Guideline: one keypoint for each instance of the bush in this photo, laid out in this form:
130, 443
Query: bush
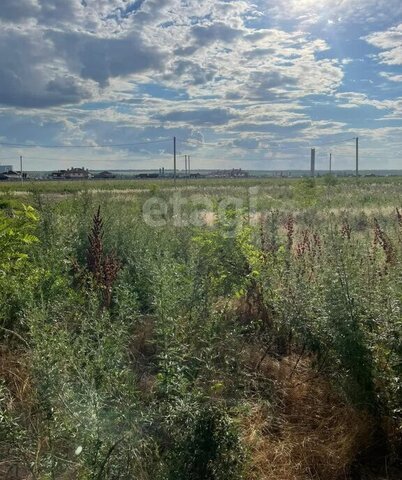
209, 449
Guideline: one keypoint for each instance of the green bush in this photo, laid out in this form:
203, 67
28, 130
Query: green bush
209, 448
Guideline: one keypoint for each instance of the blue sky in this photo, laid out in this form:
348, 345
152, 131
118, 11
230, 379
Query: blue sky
251, 84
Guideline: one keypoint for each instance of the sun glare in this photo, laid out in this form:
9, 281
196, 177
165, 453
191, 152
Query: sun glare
310, 9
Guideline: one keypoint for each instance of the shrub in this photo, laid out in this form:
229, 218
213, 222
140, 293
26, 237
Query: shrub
210, 448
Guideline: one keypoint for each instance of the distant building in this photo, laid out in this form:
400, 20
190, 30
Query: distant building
238, 173
147, 175
234, 173
104, 175
71, 174
6, 168
11, 175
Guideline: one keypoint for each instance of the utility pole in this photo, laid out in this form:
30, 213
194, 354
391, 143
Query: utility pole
189, 165
185, 164
330, 163
313, 162
357, 156
22, 177
174, 159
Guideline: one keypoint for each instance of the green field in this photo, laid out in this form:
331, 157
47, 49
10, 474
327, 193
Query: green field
208, 330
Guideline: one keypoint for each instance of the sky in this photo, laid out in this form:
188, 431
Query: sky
241, 84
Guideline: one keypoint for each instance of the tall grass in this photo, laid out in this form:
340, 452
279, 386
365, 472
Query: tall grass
268, 348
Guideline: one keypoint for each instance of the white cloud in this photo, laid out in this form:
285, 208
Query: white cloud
308, 12
391, 77
391, 42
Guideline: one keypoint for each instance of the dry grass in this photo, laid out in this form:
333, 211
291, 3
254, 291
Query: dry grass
19, 399
142, 352
314, 434
14, 372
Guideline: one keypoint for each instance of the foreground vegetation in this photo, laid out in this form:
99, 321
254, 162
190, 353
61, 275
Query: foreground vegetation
260, 339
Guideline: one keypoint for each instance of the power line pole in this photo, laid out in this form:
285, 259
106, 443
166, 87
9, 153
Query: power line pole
313, 162
174, 159
357, 156
189, 165
22, 177
185, 164
330, 163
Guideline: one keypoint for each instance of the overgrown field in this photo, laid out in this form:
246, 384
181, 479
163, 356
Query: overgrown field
219, 330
